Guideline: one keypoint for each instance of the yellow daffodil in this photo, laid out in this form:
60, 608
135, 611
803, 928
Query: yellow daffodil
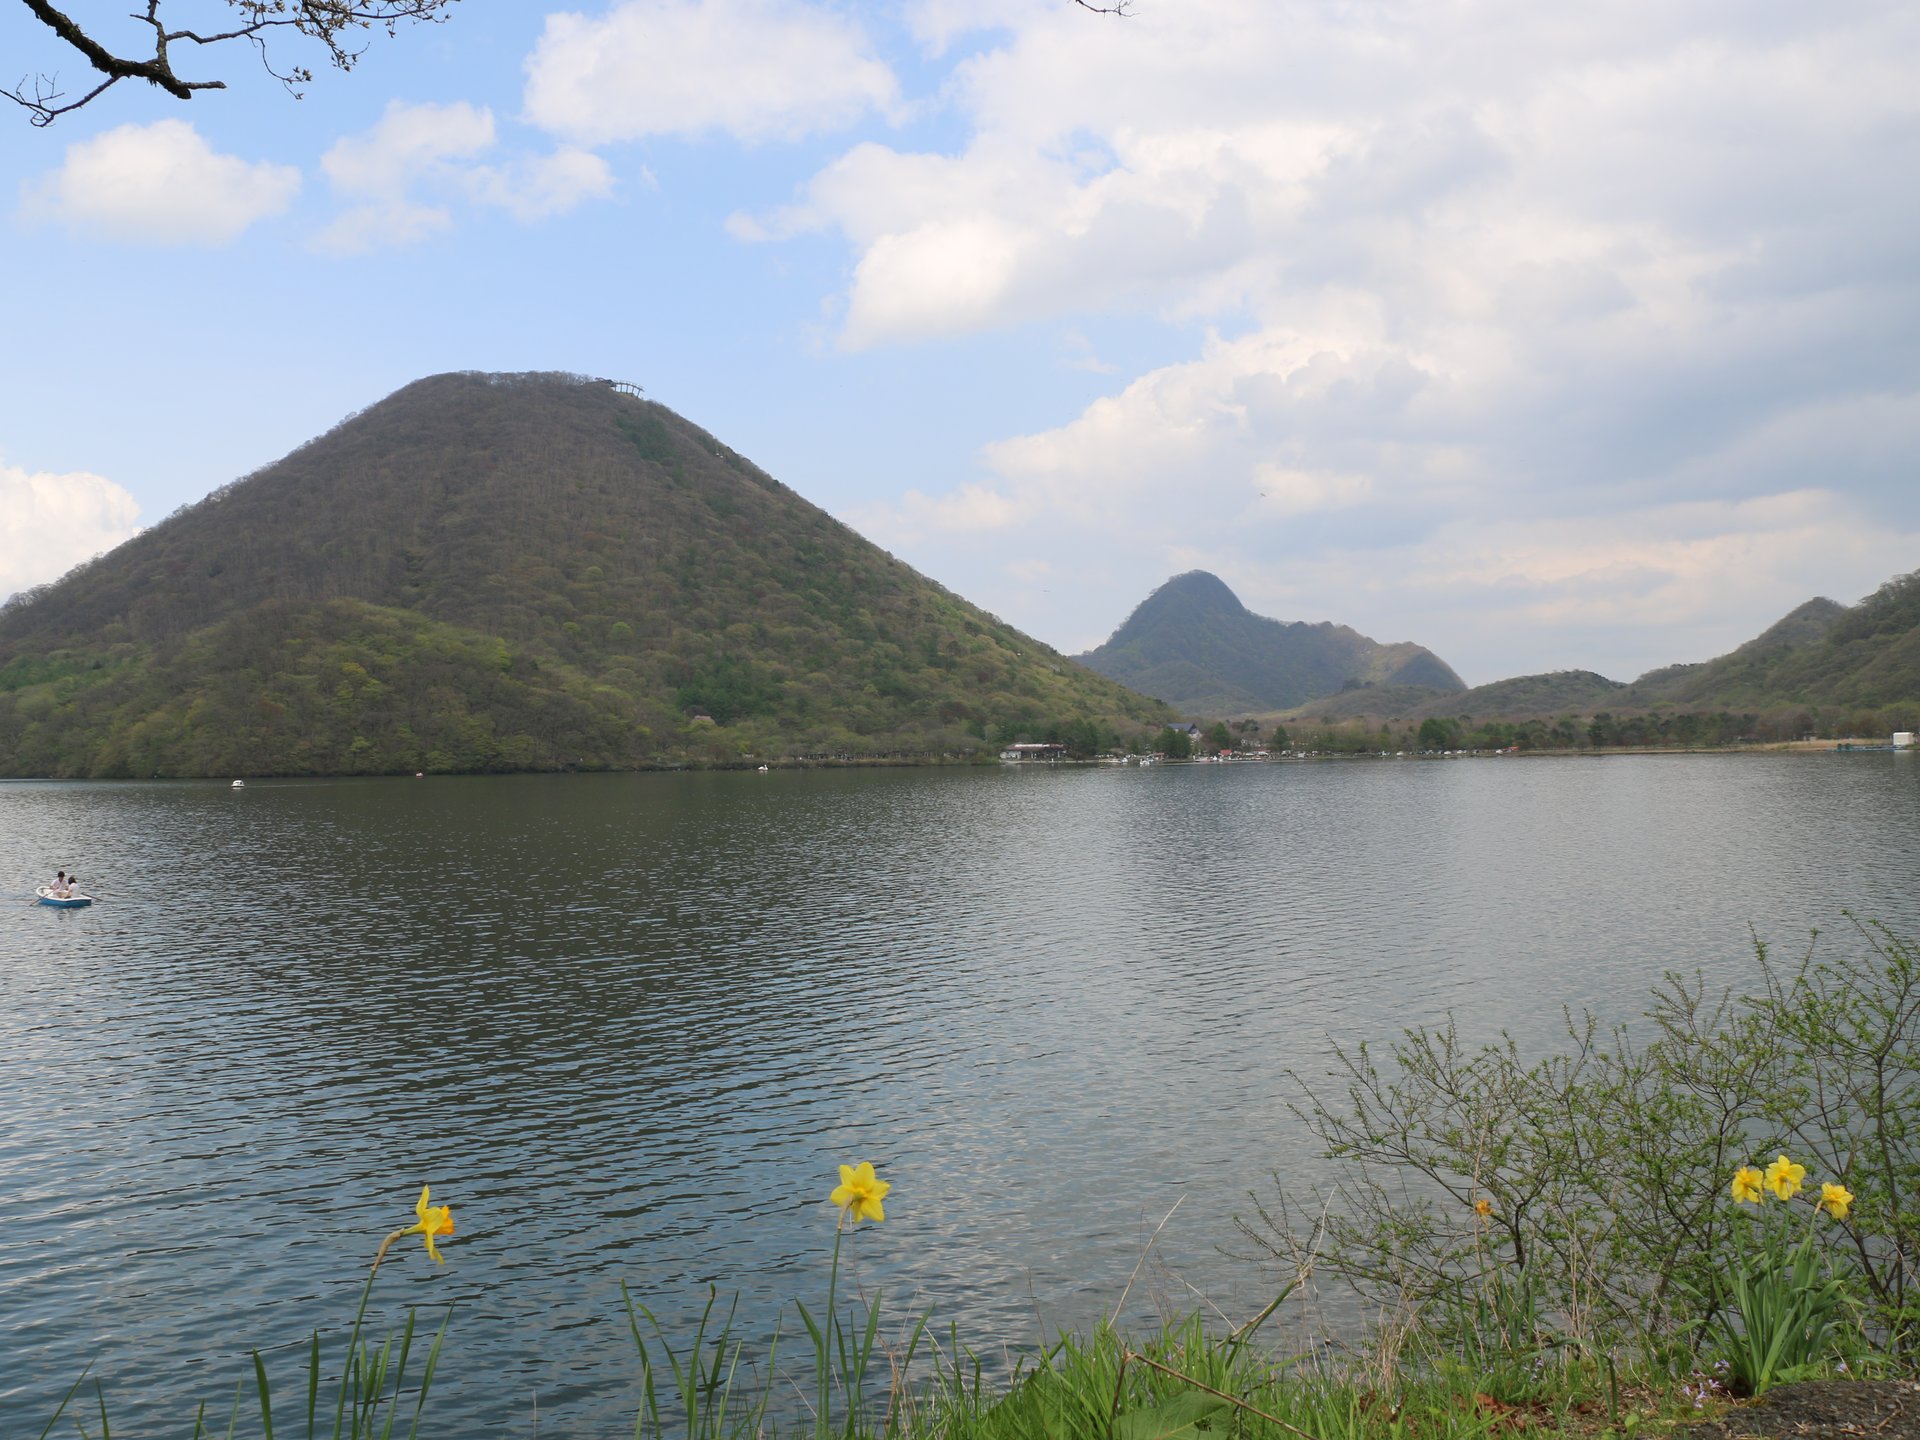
1483, 1208
1784, 1177
1836, 1200
434, 1220
1746, 1185
860, 1192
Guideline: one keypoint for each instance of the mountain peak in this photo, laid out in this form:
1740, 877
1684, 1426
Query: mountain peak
1193, 644
1196, 591
511, 572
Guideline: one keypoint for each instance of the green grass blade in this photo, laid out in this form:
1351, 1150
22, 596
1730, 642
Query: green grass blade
65, 1399
426, 1374
313, 1383
266, 1400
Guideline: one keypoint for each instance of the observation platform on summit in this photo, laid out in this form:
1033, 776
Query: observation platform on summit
625, 387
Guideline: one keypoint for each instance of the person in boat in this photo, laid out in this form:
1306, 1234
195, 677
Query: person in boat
59, 881
73, 884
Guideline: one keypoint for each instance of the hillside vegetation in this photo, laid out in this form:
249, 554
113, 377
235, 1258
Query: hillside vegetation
1819, 654
1822, 669
1194, 645
488, 572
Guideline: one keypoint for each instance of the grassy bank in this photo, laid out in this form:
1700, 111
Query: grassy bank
1652, 1224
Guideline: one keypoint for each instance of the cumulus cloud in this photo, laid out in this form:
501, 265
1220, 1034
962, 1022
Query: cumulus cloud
158, 184
539, 186
756, 70
1622, 593
437, 149
1583, 318
51, 522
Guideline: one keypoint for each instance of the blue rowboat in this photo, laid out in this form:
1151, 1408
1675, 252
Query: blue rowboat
72, 902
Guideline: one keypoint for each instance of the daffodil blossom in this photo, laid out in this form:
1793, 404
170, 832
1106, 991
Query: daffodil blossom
860, 1192
1836, 1200
433, 1220
1784, 1177
1746, 1185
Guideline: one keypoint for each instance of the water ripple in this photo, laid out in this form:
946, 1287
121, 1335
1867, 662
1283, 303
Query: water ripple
628, 1025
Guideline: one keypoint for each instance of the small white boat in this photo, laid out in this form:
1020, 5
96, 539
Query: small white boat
62, 902
239, 784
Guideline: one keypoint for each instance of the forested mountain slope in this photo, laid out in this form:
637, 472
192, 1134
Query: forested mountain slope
1562, 692
1193, 644
509, 572
1852, 662
1821, 653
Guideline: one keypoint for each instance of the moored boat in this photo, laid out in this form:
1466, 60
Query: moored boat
60, 902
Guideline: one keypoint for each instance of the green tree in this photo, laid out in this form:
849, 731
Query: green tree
1219, 737
1174, 744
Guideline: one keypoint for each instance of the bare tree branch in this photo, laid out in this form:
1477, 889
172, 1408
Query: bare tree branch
337, 25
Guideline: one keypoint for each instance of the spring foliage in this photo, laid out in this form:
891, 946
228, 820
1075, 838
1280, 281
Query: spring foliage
1592, 1186
513, 573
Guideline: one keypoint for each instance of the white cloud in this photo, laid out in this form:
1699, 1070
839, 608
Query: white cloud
387, 224
970, 509
409, 141
438, 148
158, 184
379, 170
49, 523
1287, 491
1621, 593
1487, 325
754, 69
535, 188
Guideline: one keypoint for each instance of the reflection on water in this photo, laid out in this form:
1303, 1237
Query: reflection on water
627, 1026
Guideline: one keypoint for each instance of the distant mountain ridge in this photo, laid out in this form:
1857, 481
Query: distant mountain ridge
1194, 645
1821, 653
1756, 671
499, 572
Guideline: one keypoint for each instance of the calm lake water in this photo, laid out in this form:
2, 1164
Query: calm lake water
628, 1025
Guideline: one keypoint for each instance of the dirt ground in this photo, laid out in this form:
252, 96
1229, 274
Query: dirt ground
1819, 1409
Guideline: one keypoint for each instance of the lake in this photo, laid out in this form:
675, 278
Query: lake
627, 1027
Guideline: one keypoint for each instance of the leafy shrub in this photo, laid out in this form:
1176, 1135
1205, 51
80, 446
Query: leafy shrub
1594, 1181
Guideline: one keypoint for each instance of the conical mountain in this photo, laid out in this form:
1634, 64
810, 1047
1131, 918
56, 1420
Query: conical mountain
1194, 645
513, 572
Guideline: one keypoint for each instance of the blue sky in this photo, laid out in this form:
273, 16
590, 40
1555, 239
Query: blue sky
1545, 337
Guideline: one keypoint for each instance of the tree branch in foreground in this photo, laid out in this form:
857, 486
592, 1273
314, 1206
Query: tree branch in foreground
335, 24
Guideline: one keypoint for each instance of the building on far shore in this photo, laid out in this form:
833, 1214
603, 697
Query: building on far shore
1026, 752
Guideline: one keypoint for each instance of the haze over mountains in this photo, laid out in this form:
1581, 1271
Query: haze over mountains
505, 572
1194, 645
514, 572
1863, 657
